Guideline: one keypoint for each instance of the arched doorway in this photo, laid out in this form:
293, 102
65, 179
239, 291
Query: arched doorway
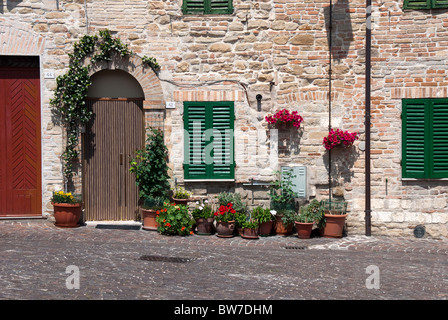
115, 131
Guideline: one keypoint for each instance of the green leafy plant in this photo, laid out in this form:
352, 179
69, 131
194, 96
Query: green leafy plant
68, 102
225, 213
150, 167
174, 220
286, 216
313, 212
240, 218
262, 214
281, 190
251, 224
202, 210
181, 193
153, 203
224, 198
63, 197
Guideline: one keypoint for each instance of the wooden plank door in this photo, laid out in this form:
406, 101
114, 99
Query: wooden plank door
114, 133
20, 143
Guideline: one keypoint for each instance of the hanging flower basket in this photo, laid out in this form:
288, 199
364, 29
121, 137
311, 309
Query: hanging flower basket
284, 118
339, 138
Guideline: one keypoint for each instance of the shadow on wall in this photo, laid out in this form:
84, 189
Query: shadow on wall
342, 162
341, 31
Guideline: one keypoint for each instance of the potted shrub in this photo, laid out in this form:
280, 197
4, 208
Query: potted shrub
283, 202
310, 214
240, 218
203, 215
151, 172
250, 229
174, 219
67, 209
225, 221
265, 218
181, 196
333, 220
339, 138
149, 208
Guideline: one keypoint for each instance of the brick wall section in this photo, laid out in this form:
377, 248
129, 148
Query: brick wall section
279, 49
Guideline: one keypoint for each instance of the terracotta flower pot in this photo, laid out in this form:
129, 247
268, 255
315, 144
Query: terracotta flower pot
67, 215
225, 229
149, 219
204, 226
304, 229
265, 228
334, 225
181, 201
282, 229
250, 233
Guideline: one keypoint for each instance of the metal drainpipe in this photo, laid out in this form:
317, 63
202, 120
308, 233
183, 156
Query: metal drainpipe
329, 97
367, 115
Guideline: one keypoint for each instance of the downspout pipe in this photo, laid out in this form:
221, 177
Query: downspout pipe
330, 31
368, 223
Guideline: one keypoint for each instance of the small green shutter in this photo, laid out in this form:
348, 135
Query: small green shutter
417, 4
414, 120
439, 4
299, 181
208, 141
439, 138
207, 7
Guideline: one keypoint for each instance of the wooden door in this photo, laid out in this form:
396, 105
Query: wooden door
20, 143
114, 133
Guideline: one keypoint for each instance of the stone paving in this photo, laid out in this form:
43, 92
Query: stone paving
127, 263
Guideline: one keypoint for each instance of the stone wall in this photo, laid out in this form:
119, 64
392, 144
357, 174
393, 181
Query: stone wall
279, 49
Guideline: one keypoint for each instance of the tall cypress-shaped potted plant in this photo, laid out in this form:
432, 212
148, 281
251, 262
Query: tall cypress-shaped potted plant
151, 176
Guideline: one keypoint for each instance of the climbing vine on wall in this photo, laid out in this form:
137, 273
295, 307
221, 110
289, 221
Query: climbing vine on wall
69, 101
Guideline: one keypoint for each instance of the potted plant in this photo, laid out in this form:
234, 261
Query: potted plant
225, 221
203, 215
284, 117
332, 223
174, 219
240, 218
339, 138
151, 174
149, 208
250, 229
265, 218
283, 202
181, 196
310, 214
67, 209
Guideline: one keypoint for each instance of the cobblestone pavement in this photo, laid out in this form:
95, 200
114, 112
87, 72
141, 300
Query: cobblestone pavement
39, 261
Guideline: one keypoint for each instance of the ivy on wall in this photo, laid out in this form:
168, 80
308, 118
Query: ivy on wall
69, 101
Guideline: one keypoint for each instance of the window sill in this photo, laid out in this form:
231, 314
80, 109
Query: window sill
424, 179
209, 180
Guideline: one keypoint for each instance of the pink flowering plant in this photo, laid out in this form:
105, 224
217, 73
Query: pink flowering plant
339, 138
284, 116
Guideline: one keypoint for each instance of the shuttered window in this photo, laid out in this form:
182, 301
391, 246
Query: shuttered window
425, 4
208, 140
207, 7
425, 138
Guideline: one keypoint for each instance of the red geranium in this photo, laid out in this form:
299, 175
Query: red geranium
284, 116
225, 213
339, 138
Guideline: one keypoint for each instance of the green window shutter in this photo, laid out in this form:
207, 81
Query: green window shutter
439, 138
439, 4
194, 144
207, 7
299, 181
208, 141
417, 4
220, 6
193, 7
223, 125
415, 119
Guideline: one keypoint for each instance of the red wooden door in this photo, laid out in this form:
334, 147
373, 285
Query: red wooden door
20, 142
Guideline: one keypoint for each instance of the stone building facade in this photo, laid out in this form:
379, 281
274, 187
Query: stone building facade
282, 50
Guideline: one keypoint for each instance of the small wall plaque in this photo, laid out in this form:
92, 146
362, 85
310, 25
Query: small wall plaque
171, 105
